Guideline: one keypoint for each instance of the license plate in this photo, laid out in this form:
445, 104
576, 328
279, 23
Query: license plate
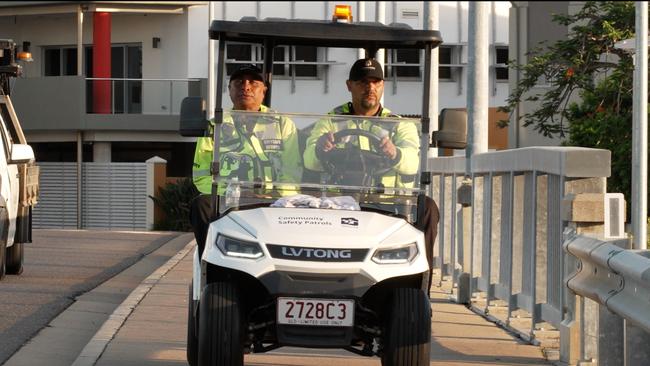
320, 312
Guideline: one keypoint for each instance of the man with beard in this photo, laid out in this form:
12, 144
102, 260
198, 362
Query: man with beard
400, 142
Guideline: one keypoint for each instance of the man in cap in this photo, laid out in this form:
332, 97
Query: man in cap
400, 142
252, 148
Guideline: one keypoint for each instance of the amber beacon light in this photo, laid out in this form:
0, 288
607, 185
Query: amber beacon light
25, 55
342, 13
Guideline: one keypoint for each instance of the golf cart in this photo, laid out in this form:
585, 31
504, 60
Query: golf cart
323, 258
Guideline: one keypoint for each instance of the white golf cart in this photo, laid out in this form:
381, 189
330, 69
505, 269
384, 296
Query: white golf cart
327, 258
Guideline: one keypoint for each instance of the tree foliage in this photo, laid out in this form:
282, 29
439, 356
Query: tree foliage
582, 65
571, 65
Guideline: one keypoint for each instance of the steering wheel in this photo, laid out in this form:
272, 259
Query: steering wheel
351, 164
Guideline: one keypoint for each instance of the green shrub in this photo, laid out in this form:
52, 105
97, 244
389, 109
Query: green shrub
174, 200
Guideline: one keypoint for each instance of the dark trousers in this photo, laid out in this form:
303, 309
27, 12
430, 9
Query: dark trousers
200, 218
430, 229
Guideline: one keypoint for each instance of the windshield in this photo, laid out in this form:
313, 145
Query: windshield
326, 161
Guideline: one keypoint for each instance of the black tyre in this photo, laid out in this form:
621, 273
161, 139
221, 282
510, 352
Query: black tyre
4, 229
407, 333
221, 328
14, 259
192, 337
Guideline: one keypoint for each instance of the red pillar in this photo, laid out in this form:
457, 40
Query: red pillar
102, 62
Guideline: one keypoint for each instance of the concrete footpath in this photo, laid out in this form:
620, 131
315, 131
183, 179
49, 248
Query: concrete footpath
149, 328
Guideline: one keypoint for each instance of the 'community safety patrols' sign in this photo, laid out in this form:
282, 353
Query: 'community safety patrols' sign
304, 220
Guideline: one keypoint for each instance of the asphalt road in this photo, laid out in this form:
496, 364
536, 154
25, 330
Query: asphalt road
61, 265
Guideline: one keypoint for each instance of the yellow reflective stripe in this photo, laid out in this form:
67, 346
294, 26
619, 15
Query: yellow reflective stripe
257, 147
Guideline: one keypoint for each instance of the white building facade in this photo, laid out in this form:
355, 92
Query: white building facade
160, 55
319, 85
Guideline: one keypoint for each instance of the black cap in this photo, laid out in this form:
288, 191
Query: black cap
247, 69
366, 68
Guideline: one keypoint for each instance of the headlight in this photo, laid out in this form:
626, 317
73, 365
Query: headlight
238, 248
400, 255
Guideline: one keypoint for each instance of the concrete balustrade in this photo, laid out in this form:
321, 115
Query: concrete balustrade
501, 239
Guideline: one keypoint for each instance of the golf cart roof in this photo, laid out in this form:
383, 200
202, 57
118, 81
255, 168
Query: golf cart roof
320, 33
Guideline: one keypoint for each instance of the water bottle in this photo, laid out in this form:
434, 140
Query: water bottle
233, 192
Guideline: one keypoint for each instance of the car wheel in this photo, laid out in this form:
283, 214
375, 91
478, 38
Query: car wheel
192, 339
407, 336
14, 259
221, 328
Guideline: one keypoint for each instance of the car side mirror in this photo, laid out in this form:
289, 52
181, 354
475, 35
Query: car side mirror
193, 117
452, 129
21, 153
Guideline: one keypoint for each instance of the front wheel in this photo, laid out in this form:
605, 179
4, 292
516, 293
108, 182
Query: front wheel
14, 259
192, 340
221, 330
407, 336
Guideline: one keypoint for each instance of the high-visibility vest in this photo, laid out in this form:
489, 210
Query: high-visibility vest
263, 149
404, 135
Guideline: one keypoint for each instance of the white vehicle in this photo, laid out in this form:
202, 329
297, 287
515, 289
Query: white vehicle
18, 174
330, 259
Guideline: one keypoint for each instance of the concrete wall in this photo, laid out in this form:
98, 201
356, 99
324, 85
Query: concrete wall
53, 103
530, 24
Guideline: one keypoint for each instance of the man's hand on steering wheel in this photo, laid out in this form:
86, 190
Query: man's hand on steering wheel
325, 143
388, 148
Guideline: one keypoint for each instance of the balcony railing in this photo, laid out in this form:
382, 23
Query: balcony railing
138, 96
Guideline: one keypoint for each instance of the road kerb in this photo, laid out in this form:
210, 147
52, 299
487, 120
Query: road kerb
96, 346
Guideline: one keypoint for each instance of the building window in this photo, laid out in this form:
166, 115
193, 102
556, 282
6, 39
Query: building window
280, 57
126, 63
52, 62
403, 64
306, 54
501, 64
62, 61
286, 59
240, 53
449, 63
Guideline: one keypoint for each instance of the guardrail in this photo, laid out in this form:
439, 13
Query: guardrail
618, 280
612, 276
500, 237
